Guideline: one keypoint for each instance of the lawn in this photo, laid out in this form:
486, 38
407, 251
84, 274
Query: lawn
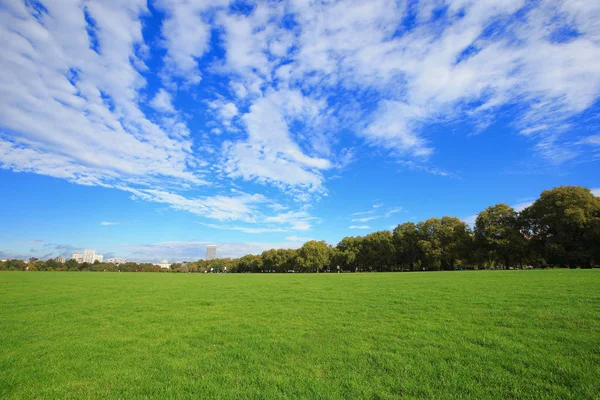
480, 334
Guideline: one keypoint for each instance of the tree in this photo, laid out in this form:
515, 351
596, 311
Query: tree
271, 260
71, 265
377, 252
497, 236
248, 263
406, 245
313, 256
562, 226
347, 251
443, 243
52, 265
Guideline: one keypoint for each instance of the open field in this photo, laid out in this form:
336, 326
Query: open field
430, 335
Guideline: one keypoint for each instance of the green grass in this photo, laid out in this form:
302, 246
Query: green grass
503, 334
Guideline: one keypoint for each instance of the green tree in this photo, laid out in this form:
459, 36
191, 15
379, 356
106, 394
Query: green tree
52, 265
347, 251
443, 243
271, 260
313, 256
71, 265
377, 251
249, 263
562, 226
497, 236
406, 244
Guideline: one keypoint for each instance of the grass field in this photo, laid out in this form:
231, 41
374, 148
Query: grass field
504, 334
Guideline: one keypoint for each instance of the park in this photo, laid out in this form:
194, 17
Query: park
476, 334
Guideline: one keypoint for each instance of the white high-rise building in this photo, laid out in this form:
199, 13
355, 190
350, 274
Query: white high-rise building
98, 257
211, 252
88, 256
164, 264
117, 260
77, 257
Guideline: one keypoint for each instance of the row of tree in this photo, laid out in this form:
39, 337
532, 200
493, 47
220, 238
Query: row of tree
560, 229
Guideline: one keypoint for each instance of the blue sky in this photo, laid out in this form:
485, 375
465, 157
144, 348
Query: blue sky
148, 129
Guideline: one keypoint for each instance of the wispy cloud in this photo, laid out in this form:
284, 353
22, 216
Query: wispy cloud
365, 219
33, 242
245, 229
299, 239
79, 96
359, 227
376, 213
109, 223
393, 211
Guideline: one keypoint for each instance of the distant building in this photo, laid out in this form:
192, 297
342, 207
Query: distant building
88, 256
164, 264
60, 259
117, 261
211, 252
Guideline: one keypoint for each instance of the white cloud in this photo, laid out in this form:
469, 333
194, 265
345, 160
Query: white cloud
363, 212
596, 192
246, 229
370, 214
591, 140
73, 91
108, 223
270, 154
359, 227
297, 220
365, 219
392, 129
65, 103
453, 67
225, 111
162, 102
299, 239
393, 211
253, 209
240, 207
186, 34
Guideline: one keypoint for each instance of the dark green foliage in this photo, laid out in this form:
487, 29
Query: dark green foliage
562, 227
498, 239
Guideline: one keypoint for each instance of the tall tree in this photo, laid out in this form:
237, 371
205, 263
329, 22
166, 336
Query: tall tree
562, 226
377, 252
444, 243
347, 251
313, 256
497, 236
406, 244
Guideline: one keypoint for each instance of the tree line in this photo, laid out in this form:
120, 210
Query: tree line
560, 229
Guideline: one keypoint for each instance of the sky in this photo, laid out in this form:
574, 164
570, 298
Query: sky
149, 129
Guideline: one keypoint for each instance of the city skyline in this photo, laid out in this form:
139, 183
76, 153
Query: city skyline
160, 127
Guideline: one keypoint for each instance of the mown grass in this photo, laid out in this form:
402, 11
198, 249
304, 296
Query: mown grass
503, 334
